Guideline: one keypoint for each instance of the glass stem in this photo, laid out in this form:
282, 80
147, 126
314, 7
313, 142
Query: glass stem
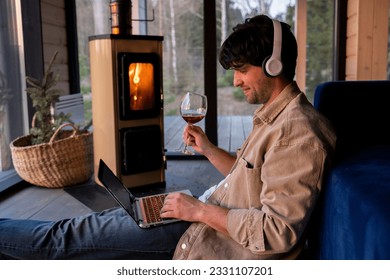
186, 145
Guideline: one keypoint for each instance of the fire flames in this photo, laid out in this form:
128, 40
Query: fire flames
141, 79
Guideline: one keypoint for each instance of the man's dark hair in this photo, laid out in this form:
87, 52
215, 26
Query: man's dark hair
252, 41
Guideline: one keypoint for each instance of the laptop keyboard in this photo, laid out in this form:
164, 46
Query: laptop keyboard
152, 207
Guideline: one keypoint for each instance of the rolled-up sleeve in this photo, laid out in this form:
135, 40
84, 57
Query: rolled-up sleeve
243, 225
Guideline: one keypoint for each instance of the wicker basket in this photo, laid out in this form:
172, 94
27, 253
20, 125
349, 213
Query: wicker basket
66, 160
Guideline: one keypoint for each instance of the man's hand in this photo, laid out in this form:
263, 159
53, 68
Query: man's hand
187, 208
181, 206
197, 139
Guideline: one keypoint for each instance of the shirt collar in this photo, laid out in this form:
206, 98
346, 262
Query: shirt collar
267, 114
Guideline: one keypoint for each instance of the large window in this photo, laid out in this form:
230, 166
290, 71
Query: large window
231, 100
319, 50
319, 44
12, 95
181, 23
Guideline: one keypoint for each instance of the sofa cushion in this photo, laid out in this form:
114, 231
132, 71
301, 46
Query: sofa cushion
355, 211
359, 112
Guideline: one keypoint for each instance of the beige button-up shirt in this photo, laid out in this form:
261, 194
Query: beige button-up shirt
272, 187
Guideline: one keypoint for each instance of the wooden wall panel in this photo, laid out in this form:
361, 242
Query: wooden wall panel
54, 35
352, 40
367, 39
53, 14
380, 40
352, 7
56, 3
55, 39
350, 69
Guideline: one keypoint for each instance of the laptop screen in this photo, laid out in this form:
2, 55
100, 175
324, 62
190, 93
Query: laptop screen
116, 188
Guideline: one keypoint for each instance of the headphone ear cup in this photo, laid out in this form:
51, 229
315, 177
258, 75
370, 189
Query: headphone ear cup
272, 67
264, 66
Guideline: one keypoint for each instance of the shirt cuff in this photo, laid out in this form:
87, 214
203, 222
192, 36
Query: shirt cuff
245, 229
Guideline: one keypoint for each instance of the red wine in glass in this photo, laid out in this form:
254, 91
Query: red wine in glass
193, 118
193, 109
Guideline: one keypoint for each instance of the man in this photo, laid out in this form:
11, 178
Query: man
262, 207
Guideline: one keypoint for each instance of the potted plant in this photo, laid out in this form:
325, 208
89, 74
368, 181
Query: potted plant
52, 156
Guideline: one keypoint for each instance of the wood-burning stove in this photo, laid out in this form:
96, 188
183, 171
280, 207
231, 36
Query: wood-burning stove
127, 107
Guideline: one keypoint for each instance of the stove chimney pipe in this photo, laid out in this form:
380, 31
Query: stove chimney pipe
121, 17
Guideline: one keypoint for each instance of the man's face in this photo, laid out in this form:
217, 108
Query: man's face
256, 86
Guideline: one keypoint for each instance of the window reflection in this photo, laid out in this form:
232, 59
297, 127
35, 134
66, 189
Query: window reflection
11, 92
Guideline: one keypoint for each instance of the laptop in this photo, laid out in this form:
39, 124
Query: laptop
145, 211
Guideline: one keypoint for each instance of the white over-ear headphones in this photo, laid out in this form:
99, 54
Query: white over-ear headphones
272, 65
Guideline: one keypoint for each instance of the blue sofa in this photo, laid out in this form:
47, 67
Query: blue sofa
352, 220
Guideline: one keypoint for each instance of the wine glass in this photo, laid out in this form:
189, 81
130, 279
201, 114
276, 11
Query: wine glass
193, 109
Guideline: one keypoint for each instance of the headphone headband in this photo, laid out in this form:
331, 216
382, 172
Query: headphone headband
272, 65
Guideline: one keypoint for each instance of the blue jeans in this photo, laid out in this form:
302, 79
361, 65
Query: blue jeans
110, 234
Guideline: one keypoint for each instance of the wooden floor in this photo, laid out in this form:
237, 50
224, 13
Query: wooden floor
31, 202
